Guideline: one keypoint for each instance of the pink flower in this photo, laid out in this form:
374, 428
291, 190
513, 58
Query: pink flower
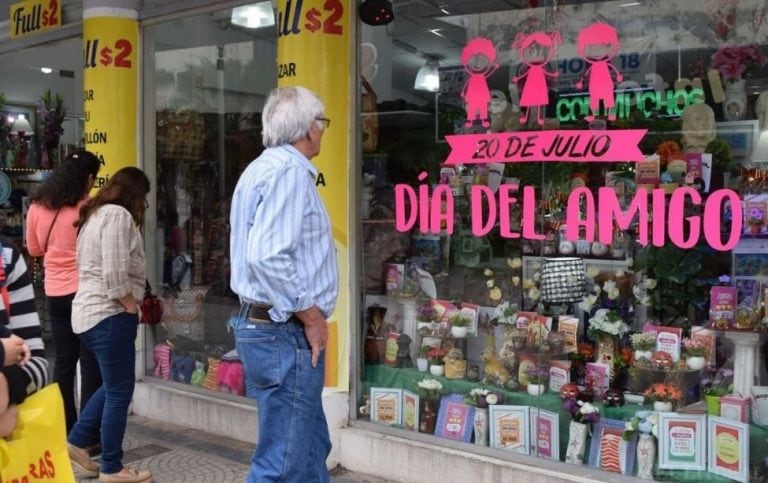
734, 61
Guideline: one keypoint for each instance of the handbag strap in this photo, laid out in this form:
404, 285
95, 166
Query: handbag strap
50, 229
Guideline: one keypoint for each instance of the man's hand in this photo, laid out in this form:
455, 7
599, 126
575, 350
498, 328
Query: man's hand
16, 351
316, 329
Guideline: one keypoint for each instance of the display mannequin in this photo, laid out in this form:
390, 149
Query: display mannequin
698, 127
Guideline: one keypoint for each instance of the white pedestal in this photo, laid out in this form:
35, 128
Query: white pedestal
746, 350
410, 324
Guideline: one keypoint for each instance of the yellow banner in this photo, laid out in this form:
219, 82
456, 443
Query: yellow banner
313, 51
34, 16
110, 73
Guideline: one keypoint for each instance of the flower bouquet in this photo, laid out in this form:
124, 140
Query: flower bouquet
609, 311
52, 114
429, 388
506, 313
643, 422
735, 61
436, 356
581, 412
482, 398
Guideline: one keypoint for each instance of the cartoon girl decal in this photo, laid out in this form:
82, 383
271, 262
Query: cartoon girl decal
535, 51
479, 59
597, 45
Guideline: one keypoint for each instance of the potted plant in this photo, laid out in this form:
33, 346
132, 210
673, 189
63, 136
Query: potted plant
459, 322
643, 344
436, 362
538, 375
422, 361
695, 351
716, 386
426, 316
756, 220
664, 396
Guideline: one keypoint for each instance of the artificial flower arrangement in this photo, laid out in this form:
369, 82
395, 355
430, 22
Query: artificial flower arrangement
642, 291
664, 392
537, 374
426, 313
482, 398
734, 61
645, 422
495, 280
506, 313
52, 114
429, 388
695, 347
667, 151
717, 382
436, 356
608, 310
643, 341
581, 412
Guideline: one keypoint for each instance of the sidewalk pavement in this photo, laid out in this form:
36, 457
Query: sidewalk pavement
180, 455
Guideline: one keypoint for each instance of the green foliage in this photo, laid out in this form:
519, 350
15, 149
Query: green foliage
678, 285
721, 156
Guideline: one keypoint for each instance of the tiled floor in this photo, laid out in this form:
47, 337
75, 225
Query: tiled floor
180, 455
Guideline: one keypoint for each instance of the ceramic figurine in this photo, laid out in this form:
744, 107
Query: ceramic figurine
403, 351
613, 398
569, 391
494, 371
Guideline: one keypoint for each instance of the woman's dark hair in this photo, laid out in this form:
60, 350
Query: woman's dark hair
128, 188
69, 181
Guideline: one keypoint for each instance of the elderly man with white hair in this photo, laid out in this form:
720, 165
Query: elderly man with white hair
284, 270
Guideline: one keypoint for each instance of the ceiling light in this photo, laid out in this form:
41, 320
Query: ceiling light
46, 70
254, 15
428, 77
376, 12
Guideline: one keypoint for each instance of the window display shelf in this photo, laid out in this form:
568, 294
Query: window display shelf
379, 375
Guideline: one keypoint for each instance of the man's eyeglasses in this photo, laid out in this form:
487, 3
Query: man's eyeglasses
325, 122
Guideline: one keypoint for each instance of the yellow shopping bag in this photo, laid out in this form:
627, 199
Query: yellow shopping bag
37, 449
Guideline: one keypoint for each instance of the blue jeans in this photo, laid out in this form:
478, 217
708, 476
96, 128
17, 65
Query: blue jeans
293, 433
105, 416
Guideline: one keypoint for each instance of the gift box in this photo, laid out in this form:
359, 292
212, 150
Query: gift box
760, 405
736, 407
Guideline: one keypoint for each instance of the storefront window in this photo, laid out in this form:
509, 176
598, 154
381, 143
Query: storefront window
563, 229
210, 80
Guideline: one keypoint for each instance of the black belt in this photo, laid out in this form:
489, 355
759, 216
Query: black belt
256, 311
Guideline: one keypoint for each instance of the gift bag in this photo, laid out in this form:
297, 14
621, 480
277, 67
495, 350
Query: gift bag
37, 449
370, 119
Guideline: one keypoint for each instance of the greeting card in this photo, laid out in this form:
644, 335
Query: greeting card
600, 376
668, 340
647, 172
454, 421
559, 375
722, 306
524, 319
569, 327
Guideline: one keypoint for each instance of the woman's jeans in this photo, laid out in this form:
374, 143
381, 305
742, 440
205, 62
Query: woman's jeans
68, 350
293, 434
112, 341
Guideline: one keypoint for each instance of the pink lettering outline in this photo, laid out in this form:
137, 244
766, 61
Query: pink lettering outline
535, 51
597, 45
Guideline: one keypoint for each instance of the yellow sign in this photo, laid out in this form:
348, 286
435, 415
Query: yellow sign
34, 16
110, 72
313, 51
